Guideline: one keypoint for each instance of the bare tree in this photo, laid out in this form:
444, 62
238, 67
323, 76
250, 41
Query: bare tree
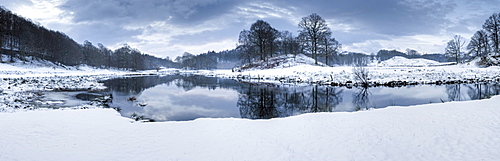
412, 52
329, 46
261, 36
288, 43
312, 28
492, 26
246, 47
478, 44
454, 47
361, 75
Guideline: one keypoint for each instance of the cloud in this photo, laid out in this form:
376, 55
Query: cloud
42, 11
422, 43
139, 12
13, 5
363, 47
109, 35
170, 27
154, 23
391, 17
365, 26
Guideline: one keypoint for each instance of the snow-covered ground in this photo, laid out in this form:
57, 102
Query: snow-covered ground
399, 61
43, 68
443, 131
22, 81
282, 61
397, 69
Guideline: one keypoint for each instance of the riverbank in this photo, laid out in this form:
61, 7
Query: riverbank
343, 76
397, 71
22, 83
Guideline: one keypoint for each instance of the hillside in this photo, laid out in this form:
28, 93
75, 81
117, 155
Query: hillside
487, 61
20, 37
399, 61
282, 61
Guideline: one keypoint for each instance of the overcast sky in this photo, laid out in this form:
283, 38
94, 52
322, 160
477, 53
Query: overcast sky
171, 27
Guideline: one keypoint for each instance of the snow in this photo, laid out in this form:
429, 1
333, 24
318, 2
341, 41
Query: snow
379, 75
37, 68
282, 61
443, 131
410, 71
399, 61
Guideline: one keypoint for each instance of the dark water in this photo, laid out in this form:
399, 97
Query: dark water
179, 98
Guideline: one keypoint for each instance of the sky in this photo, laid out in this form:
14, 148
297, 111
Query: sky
171, 27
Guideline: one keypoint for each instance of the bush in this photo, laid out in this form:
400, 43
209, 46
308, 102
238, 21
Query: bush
361, 75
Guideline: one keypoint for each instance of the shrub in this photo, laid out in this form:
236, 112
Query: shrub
361, 75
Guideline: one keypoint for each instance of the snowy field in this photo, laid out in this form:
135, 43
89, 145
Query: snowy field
392, 70
442, 131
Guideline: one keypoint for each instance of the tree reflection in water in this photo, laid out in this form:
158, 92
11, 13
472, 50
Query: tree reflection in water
361, 98
454, 92
461, 92
270, 101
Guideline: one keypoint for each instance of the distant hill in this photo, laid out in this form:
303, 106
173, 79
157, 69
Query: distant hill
383, 55
399, 61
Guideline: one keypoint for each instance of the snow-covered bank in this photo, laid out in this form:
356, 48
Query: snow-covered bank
287, 69
443, 131
21, 82
16, 70
377, 75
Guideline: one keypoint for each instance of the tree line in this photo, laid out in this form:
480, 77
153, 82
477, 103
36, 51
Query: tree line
21, 37
230, 58
210, 60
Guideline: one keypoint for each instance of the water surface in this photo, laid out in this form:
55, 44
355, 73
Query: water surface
180, 98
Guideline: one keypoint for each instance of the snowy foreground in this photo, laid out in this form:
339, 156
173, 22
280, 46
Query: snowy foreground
444, 131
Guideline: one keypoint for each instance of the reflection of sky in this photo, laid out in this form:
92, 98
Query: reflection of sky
166, 102
380, 97
411, 95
